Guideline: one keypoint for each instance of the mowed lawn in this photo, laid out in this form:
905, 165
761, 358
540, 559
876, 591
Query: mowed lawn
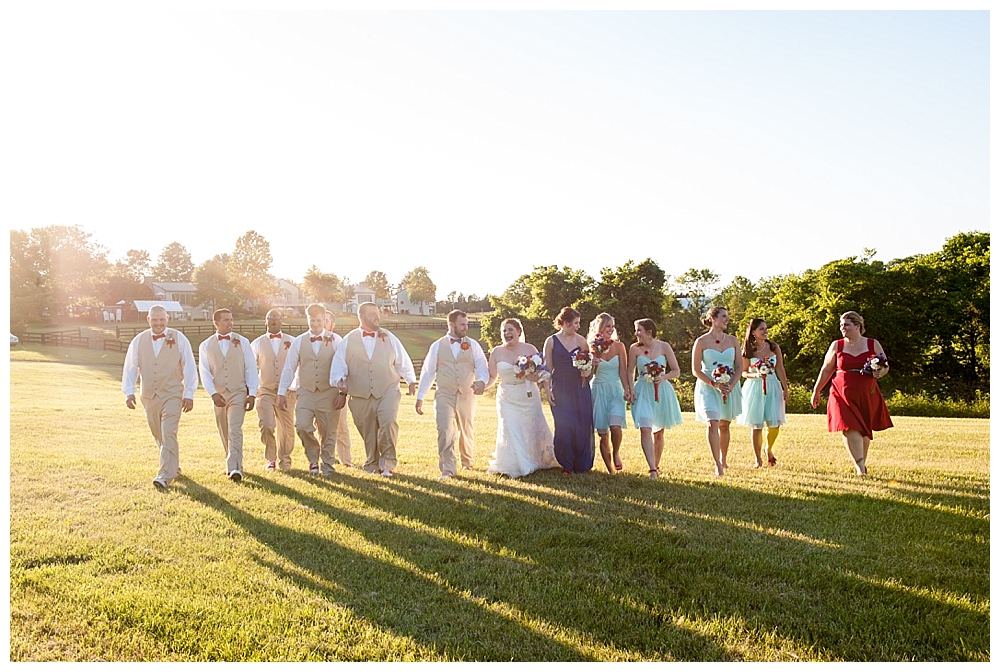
803, 561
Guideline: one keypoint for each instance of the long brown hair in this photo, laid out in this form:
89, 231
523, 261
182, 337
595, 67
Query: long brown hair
749, 343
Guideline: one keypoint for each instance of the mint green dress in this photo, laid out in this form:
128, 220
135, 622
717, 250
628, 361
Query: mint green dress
646, 411
708, 404
609, 396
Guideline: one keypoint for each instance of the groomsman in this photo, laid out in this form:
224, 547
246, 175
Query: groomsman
270, 351
458, 364
368, 366
307, 371
343, 431
229, 375
165, 362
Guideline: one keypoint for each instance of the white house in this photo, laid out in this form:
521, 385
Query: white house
404, 307
181, 292
289, 299
361, 294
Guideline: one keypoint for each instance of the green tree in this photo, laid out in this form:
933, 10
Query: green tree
125, 278
379, 283
689, 297
536, 298
212, 283
419, 286
736, 297
628, 293
250, 269
174, 264
326, 287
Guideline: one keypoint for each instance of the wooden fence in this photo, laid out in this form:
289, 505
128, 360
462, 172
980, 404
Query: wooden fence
71, 338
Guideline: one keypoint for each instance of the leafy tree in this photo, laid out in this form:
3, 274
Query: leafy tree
536, 298
212, 283
174, 264
326, 287
628, 293
690, 296
419, 286
736, 296
250, 269
377, 282
126, 276
52, 268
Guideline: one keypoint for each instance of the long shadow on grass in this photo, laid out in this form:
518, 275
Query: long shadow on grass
510, 583
847, 576
409, 602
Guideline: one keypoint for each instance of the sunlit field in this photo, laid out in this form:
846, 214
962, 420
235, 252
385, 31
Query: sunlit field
802, 561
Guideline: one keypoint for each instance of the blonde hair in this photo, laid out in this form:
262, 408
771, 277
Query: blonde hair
598, 324
856, 319
712, 313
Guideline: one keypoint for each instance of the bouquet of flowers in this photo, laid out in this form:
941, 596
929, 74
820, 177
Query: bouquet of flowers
600, 345
584, 362
874, 364
722, 374
650, 372
763, 367
532, 364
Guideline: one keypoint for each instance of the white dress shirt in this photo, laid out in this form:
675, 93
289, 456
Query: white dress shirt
428, 371
130, 372
249, 362
290, 374
275, 343
404, 366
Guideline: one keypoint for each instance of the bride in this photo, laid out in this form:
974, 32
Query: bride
524, 440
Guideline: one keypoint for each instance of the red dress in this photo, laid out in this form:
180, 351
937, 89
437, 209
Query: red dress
855, 400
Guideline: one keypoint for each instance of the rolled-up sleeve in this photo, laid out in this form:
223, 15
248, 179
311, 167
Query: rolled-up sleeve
428, 371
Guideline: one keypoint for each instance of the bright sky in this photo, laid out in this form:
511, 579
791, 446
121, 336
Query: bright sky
482, 144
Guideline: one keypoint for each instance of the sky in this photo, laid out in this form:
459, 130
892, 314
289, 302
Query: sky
481, 144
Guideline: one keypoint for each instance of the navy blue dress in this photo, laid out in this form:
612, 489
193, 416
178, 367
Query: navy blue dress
573, 412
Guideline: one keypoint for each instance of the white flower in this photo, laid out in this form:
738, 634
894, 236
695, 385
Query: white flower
522, 360
536, 359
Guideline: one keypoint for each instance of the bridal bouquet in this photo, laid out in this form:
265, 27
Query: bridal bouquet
650, 373
532, 364
600, 345
722, 374
584, 362
763, 367
874, 364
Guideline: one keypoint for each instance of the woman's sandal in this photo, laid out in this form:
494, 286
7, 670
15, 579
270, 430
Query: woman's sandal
618, 466
771, 461
654, 473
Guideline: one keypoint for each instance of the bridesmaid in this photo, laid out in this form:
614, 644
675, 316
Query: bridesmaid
712, 349
610, 389
856, 406
569, 395
648, 414
763, 402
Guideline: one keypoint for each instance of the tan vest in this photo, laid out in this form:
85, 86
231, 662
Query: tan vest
269, 364
229, 373
374, 377
454, 375
161, 376
314, 369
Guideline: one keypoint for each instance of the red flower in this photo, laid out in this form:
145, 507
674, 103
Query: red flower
465, 345
288, 344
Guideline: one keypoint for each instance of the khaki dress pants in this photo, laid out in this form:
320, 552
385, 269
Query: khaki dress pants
229, 420
454, 413
375, 418
164, 416
271, 420
314, 411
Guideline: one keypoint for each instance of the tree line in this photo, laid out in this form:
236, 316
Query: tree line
929, 311
55, 270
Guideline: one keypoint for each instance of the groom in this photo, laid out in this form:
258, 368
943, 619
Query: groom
461, 370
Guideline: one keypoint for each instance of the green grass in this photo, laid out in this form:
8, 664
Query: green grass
799, 562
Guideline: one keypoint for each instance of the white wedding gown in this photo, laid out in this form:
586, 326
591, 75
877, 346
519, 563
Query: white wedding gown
524, 440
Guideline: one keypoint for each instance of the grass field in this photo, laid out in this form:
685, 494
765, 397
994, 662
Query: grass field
803, 561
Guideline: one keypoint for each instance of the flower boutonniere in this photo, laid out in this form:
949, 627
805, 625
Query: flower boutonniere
236, 341
288, 344
381, 334
465, 345
170, 341
327, 340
